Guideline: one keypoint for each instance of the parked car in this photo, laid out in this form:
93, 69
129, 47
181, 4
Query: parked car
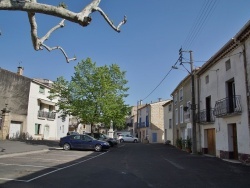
99, 136
72, 133
82, 141
127, 138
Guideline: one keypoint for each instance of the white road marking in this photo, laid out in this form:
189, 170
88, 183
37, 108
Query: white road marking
65, 167
174, 164
4, 164
12, 179
41, 159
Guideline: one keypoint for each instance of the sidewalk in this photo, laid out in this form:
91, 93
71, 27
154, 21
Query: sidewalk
12, 148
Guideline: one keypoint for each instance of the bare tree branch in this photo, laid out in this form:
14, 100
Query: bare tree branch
60, 48
110, 22
32, 7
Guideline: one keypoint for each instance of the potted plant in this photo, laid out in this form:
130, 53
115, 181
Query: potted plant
188, 144
179, 143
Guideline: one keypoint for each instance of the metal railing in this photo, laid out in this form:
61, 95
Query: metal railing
206, 116
44, 114
228, 106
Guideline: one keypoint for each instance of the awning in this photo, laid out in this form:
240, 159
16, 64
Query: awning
47, 102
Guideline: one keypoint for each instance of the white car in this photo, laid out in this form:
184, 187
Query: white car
127, 138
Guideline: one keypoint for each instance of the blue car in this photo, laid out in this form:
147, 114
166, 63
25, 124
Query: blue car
81, 141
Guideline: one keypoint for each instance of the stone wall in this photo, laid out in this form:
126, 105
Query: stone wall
14, 91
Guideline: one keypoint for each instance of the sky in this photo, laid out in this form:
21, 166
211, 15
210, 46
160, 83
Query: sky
146, 48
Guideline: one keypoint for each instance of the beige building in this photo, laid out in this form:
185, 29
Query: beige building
151, 122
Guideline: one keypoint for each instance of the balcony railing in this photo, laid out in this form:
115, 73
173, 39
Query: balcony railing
206, 116
44, 114
228, 106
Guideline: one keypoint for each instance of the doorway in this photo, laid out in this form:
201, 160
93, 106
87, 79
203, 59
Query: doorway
233, 141
211, 142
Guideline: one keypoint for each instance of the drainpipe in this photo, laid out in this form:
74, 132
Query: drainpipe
198, 113
246, 79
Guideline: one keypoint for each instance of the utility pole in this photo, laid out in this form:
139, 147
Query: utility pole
193, 105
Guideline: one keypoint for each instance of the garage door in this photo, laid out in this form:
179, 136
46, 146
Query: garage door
15, 130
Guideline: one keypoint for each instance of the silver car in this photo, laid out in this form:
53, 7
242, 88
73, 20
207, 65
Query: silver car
127, 138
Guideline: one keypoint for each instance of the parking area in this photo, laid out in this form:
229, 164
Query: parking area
26, 168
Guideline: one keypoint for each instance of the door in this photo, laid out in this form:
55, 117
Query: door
154, 137
76, 141
211, 141
15, 130
235, 143
87, 142
165, 135
46, 132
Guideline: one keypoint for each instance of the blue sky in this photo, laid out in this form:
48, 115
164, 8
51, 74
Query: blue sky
147, 47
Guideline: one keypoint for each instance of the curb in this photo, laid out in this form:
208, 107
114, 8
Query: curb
23, 153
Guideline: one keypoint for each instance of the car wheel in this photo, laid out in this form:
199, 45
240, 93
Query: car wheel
121, 140
66, 146
98, 147
135, 140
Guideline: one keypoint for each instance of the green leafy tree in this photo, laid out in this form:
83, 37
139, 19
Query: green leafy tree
94, 94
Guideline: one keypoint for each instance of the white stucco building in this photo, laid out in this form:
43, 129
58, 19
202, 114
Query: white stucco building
31, 113
168, 122
223, 87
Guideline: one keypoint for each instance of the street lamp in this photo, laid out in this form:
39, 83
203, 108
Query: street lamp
193, 105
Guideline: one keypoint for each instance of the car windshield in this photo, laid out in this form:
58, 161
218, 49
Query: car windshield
90, 137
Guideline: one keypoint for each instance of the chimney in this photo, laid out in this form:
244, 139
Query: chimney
20, 71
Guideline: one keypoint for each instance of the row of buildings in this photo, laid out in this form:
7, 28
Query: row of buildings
26, 110
221, 119
27, 113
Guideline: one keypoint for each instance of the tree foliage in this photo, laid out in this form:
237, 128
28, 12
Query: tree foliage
32, 7
94, 94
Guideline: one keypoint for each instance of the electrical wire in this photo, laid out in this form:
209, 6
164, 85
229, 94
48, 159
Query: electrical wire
206, 10
161, 81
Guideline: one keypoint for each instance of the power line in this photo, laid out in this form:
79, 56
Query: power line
160, 81
200, 21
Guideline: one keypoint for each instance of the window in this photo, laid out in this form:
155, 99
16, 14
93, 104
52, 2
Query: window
176, 116
62, 128
41, 90
75, 137
175, 99
228, 64
170, 123
0, 123
181, 94
51, 108
170, 107
207, 79
181, 114
188, 114
147, 122
37, 128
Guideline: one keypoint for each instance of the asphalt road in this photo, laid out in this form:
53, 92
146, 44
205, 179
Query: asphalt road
131, 165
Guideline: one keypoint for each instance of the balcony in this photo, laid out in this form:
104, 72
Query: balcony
44, 114
206, 116
228, 106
